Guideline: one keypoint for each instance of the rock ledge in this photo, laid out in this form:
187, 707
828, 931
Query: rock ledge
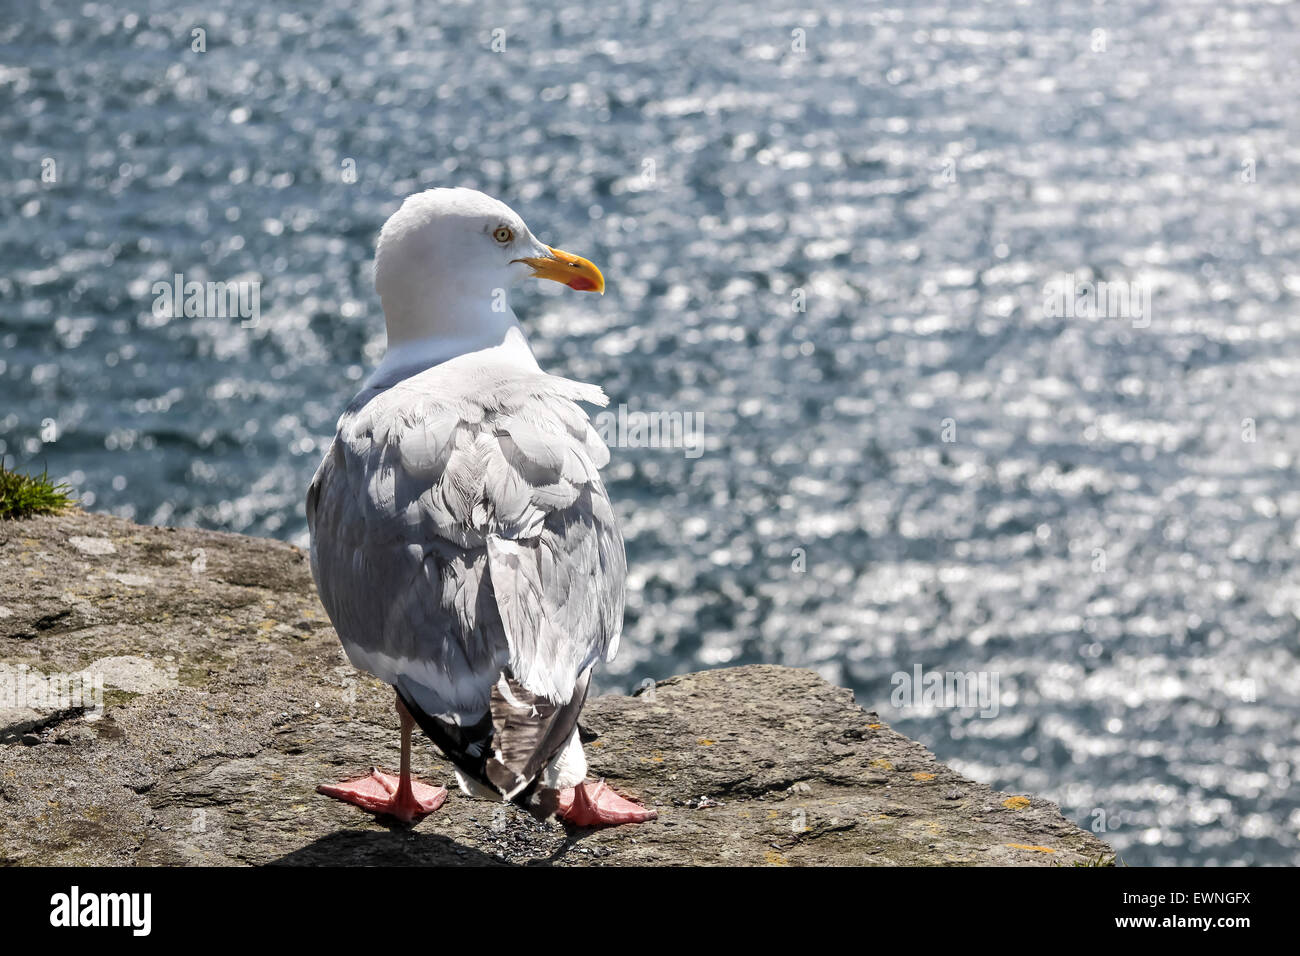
226, 699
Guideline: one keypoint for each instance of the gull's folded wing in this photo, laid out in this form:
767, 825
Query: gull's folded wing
462, 537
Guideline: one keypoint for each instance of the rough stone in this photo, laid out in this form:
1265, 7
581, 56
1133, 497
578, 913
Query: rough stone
226, 699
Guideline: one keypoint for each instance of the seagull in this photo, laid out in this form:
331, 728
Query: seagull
462, 541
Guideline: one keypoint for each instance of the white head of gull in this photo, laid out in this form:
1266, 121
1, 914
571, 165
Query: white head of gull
462, 541
445, 262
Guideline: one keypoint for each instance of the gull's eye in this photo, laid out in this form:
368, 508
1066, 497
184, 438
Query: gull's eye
503, 234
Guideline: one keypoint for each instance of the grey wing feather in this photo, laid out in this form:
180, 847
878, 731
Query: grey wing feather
460, 530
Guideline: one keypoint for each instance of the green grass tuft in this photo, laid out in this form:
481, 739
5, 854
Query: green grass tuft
22, 496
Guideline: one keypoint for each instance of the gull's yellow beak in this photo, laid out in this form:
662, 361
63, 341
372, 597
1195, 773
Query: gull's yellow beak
574, 271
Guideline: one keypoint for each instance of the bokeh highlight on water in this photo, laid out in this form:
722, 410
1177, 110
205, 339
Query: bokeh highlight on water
917, 174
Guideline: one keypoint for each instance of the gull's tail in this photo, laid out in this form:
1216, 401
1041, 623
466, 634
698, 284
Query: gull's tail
509, 747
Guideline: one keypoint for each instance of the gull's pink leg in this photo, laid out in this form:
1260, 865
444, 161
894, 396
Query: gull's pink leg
400, 797
596, 805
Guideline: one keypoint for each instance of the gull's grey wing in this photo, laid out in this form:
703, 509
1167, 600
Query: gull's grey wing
461, 534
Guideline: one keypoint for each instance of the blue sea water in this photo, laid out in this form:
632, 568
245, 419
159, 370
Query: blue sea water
827, 230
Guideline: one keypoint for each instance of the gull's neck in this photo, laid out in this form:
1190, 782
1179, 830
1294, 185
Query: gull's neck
493, 336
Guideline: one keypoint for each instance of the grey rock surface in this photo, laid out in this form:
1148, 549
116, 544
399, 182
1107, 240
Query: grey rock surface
173, 697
